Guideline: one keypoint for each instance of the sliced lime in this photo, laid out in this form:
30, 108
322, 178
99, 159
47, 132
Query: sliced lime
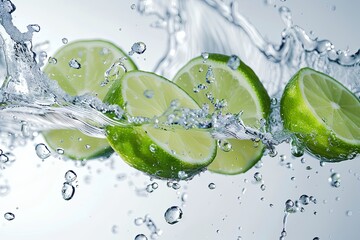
79, 68
217, 77
171, 153
323, 114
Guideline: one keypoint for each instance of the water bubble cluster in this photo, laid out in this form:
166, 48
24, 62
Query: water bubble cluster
154, 231
68, 190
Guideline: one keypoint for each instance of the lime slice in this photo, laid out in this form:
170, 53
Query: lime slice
323, 114
79, 68
243, 92
176, 153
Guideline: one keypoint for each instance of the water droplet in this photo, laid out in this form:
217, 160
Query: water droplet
285, 15
335, 180
304, 199
211, 186
33, 28
175, 186
70, 176
139, 221
9, 216
42, 151
60, 151
67, 191
224, 145
64, 40
274, 101
115, 229
184, 197
138, 47
290, 206
234, 62
140, 236
205, 56
272, 153
4, 158
210, 77
258, 177
173, 215
52, 60
73, 63
149, 188
152, 148
148, 93
297, 150
182, 175
259, 164
4, 190
25, 130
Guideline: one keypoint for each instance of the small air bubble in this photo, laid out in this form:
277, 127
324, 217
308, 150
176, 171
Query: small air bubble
133, 6
73, 63
148, 93
64, 40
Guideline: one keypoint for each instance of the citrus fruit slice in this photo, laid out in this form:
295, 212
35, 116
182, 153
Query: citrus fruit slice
174, 153
323, 114
79, 68
219, 78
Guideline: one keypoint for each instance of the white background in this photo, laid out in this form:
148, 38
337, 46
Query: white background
223, 213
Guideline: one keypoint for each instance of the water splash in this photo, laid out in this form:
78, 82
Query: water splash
273, 63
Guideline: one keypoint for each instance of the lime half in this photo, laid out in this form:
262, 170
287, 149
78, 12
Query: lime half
216, 79
79, 68
172, 153
323, 114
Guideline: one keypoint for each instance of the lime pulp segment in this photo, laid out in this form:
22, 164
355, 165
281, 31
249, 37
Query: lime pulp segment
242, 91
334, 105
323, 114
79, 68
157, 151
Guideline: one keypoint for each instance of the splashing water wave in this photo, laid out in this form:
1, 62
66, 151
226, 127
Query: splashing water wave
28, 97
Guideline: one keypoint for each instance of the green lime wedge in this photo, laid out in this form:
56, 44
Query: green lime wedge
176, 153
79, 68
242, 91
323, 115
